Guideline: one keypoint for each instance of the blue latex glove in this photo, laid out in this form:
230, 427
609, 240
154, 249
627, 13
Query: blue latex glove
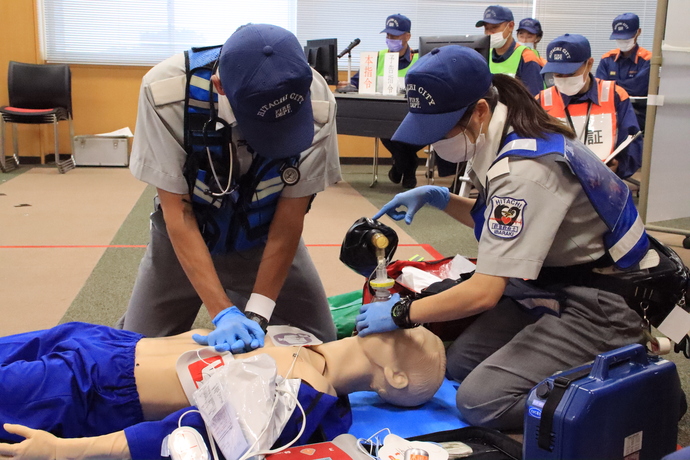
376, 317
234, 332
413, 200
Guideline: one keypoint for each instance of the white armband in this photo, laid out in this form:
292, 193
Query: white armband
261, 305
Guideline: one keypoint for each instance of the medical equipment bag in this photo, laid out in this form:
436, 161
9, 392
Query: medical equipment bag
624, 406
486, 443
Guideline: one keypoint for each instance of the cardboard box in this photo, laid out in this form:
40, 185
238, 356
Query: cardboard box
101, 150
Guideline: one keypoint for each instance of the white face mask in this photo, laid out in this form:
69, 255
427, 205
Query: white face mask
498, 40
626, 45
456, 149
529, 45
570, 86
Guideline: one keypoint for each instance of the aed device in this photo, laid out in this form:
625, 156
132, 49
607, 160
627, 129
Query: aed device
623, 406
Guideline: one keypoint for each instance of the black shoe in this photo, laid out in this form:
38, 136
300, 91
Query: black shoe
409, 181
394, 175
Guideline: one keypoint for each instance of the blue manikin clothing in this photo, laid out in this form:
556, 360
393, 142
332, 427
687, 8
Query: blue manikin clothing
73, 380
327, 417
77, 380
626, 240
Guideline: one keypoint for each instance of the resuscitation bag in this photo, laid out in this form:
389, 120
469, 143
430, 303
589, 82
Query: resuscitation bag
246, 404
358, 251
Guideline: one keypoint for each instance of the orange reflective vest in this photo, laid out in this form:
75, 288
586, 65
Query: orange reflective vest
602, 127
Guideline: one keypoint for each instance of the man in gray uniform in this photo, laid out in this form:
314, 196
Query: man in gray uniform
233, 189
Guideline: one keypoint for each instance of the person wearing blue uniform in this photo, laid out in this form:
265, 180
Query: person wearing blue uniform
83, 391
529, 34
599, 111
398, 32
629, 64
507, 56
554, 225
237, 143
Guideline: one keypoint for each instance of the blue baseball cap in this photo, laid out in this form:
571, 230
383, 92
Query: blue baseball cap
625, 26
566, 54
496, 14
397, 24
267, 80
531, 25
440, 87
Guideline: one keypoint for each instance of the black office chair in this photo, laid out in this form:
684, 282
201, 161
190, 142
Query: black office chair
38, 94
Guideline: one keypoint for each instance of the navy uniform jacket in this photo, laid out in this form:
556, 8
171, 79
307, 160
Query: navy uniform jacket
631, 73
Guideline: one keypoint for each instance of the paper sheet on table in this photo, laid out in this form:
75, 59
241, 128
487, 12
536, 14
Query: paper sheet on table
122, 132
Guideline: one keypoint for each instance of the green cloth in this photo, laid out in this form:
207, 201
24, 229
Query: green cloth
344, 309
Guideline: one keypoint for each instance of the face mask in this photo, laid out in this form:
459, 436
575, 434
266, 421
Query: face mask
529, 45
456, 149
626, 45
394, 45
570, 86
498, 40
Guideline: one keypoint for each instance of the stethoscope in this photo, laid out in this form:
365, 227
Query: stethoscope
289, 172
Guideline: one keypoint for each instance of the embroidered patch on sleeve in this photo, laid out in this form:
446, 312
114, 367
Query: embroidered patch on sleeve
507, 216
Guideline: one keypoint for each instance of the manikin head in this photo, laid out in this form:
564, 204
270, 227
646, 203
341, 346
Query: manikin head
409, 365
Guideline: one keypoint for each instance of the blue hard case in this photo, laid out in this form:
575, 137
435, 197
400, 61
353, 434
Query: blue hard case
624, 406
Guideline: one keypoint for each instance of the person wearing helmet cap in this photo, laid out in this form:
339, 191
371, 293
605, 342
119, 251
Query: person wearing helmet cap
529, 34
599, 111
548, 212
398, 35
507, 56
629, 64
237, 142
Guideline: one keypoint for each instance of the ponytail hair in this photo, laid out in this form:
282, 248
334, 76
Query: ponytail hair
525, 115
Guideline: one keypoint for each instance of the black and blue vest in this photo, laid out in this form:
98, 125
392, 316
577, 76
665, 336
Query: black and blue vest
240, 218
626, 239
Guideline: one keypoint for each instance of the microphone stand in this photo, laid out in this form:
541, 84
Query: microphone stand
349, 88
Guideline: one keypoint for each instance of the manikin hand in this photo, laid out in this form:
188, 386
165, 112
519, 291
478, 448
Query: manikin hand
41, 445
38, 445
234, 332
413, 200
376, 317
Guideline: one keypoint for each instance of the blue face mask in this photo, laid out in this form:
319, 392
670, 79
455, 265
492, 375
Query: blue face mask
394, 45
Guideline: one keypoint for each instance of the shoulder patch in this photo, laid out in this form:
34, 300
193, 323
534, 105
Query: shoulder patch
507, 217
610, 53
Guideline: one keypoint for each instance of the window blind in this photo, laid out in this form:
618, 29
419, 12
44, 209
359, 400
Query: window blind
593, 19
145, 32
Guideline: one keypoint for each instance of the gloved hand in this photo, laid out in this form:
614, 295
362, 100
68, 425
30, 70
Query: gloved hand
413, 200
376, 317
234, 332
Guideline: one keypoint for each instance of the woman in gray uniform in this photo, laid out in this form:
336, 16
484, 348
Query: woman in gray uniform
548, 214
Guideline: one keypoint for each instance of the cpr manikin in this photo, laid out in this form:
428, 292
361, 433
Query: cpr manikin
404, 367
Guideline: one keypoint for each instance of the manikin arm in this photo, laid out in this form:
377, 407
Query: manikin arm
41, 445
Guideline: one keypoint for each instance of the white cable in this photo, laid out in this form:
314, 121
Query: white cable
294, 440
372, 443
273, 407
179, 421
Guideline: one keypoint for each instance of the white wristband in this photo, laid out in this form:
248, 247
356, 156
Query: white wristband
261, 305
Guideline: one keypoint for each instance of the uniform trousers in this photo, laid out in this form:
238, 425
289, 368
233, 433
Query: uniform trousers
508, 350
165, 303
